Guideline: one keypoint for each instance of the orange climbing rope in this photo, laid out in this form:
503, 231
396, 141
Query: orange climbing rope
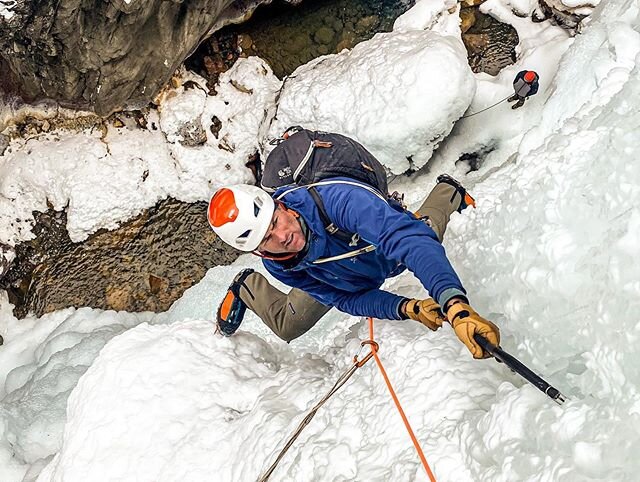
339, 383
374, 351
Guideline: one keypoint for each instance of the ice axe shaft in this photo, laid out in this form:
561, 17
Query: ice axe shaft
517, 366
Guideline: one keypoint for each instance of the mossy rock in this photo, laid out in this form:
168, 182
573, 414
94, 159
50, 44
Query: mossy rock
324, 36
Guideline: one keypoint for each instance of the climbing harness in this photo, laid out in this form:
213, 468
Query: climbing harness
518, 367
339, 383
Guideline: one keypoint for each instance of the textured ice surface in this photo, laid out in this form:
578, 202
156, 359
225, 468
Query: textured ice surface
550, 255
399, 94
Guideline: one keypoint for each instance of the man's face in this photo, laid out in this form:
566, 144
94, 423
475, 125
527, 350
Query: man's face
284, 234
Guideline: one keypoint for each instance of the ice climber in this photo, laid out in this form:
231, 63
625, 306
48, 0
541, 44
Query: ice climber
525, 85
335, 242
333, 233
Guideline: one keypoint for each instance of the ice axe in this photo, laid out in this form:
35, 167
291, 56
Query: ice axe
518, 367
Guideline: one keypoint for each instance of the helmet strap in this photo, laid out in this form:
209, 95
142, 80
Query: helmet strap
273, 256
283, 256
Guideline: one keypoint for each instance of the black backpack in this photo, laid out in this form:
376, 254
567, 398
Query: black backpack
303, 157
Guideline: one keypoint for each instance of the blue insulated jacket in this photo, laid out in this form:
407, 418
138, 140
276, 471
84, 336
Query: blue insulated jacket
352, 284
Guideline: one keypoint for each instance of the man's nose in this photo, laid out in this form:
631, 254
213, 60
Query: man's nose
281, 236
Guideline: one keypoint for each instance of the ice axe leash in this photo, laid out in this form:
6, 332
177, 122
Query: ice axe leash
518, 367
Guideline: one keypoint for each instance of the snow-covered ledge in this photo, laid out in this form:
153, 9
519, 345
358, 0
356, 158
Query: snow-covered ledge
399, 94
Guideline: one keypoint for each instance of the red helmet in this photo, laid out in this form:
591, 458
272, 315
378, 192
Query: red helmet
530, 76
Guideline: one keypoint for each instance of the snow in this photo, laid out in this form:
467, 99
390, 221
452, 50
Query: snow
549, 254
320, 95
140, 166
6, 9
579, 7
430, 15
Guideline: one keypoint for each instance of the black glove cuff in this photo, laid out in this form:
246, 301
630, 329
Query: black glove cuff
402, 312
463, 299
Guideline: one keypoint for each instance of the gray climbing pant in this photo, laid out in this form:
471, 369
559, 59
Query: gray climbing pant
292, 314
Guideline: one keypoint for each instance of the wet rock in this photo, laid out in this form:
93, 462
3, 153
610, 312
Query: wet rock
103, 55
7, 255
467, 19
490, 44
297, 43
14, 111
140, 119
567, 17
244, 42
157, 284
324, 36
216, 125
471, 3
192, 134
118, 298
255, 165
367, 23
347, 41
146, 264
4, 143
288, 37
476, 41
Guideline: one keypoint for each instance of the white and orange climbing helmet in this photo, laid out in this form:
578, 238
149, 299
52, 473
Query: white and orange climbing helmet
241, 215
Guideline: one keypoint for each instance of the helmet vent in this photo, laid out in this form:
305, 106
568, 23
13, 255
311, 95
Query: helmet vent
241, 215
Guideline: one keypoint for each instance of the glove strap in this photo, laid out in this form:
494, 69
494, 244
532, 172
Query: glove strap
456, 311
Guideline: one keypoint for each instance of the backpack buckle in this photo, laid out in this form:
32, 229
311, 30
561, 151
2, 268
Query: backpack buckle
332, 228
399, 198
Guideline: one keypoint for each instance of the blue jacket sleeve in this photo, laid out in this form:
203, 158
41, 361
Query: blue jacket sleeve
397, 236
376, 303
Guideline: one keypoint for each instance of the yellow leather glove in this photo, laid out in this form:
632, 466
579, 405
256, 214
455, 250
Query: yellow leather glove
466, 322
426, 312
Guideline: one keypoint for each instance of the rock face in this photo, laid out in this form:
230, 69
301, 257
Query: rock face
567, 17
103, 54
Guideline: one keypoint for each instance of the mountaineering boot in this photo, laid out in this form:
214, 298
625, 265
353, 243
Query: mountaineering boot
520, 103
512, 98
466, 198
231, 311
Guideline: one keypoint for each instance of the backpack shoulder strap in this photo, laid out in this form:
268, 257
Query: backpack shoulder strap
369, 188
329, 226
